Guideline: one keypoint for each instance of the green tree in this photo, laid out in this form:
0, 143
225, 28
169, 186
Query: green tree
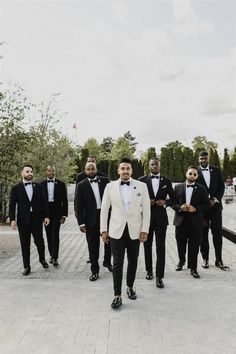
14, 142
131, 139
146, 156
214, 158
121, 149
94, 148
226, 165
233, 163
106, 147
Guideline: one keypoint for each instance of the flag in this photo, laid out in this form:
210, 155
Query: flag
74, 126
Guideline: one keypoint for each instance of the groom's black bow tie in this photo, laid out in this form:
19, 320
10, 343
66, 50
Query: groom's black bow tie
93, 180
204, 169
27, 183
50, 180
190, 185
122, 182
152, 176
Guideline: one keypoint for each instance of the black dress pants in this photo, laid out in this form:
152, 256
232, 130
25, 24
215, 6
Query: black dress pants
214, 218
185, 234
93, 240
36, 229
160, 235
118, 247
52, 232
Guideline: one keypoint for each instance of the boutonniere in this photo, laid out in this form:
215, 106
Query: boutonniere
55, 182
138, 194
211, 170
33, 185
134, 187
161, 179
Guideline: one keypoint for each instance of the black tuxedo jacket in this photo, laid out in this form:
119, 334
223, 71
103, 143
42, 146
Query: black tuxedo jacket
81, 176
158, 213
19, 198
60, 206
199, 200
86, 207
217, 186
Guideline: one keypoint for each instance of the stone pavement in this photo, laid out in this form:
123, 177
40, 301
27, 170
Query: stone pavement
59, 311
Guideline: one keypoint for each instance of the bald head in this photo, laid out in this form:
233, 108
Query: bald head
90, 169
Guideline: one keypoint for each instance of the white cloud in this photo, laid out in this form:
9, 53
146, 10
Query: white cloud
186, 20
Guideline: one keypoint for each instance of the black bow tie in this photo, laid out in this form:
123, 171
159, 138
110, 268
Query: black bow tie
153, 176
93, 180
50, 180
204, 169
127, 183
190, 185
27, 183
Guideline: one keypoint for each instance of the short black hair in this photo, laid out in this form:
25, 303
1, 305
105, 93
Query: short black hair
192, 167
203, 153
124, 159
155, 159
27, 165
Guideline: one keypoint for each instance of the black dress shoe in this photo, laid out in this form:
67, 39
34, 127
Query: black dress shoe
194, 273
44, 264
51, 260
117, 302
27, 271
180, 266
205, 264
55, 263
220, 264
108, 266
93, 277
159, 283
131, 293
149, 276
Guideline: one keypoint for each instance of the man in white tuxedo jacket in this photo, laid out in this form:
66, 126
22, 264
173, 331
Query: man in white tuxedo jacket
129, 203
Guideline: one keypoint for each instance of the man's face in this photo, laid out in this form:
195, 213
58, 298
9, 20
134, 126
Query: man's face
125, 171
191, 175
203, 160
154, 167
90, 169
27, 173
50, 172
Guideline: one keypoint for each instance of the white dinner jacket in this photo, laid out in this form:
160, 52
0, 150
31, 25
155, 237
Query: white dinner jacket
138, 215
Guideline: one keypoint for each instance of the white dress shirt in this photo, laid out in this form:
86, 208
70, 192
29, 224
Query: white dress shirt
28, 189
155, 183
96, 192
51, 189
206, 175
189, 192
126, 194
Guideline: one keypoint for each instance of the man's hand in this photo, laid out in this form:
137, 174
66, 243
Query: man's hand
143, 236
13, 224
105, 236
160, 202
212, 202
83, 229
191, 209
152, 202
46, 221
184, 207
62, 220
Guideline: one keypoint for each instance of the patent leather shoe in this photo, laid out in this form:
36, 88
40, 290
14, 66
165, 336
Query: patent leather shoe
220, 265
55, 263
93, 277
194, 273
108, 266
117, 302
131, 293
205, 264
159, 283
44, 264
51, 260
180, 266
26, 271
149, 276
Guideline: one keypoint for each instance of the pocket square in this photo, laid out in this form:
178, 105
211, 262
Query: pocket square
165, 186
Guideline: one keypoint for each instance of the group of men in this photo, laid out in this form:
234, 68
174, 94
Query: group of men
124, 213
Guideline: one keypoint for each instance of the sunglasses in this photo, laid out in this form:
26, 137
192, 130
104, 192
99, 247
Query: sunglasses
192, 174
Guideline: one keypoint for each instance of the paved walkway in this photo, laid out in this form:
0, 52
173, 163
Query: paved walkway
59, 311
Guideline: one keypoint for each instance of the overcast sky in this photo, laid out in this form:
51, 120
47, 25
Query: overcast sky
165, 70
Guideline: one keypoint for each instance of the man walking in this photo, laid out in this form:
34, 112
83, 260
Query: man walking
88, 205
190, 201
211, 178
32, 212
158, 187
56, 194
129, 224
